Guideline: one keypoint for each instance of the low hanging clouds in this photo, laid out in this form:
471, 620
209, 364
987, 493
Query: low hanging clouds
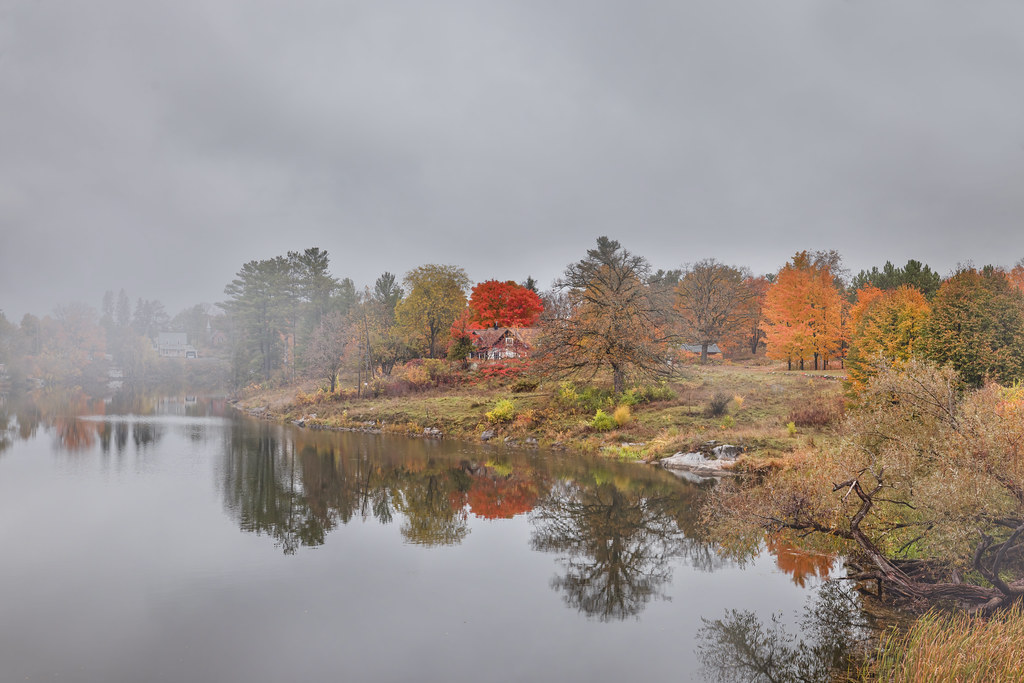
158, 146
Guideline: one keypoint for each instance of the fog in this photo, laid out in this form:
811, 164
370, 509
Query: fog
156, 147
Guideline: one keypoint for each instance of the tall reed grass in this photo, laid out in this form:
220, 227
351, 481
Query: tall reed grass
954, 647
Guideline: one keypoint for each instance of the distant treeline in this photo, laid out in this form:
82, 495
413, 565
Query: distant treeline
287, 318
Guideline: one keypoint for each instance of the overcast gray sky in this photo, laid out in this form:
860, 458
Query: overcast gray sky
157, 146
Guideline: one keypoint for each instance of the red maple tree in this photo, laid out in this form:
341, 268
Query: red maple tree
504, 304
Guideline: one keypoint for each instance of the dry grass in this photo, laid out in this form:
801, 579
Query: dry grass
954, 647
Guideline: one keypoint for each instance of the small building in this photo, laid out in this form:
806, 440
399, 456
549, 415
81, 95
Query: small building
175, 345
497, 343
696, 348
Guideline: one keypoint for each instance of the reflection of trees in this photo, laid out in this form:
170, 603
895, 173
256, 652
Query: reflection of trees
616, 544
262, 486
741, 647
430, 501
495, 496
6, 439
798, 563
61, 411
297, 498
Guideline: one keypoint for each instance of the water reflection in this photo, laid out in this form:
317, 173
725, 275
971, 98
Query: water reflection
615, 544
615, 530
79, 422
743, 647
801, 564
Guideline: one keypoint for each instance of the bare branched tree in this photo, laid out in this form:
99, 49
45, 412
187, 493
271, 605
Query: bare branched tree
712, 302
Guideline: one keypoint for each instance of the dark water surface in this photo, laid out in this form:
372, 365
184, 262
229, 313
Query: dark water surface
171, 540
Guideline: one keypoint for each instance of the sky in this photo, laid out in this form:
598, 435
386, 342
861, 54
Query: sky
156, 147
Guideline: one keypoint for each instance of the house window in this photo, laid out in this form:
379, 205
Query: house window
509, 341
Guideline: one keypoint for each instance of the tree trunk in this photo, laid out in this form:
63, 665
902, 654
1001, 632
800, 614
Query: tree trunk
703, 354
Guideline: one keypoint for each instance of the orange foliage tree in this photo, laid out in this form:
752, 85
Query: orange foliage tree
504, 304
885, 325
1016, 275
804, 314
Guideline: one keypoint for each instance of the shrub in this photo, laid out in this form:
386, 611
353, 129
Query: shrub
567, 396
659, 392
738, 400
791, 428
622, 416
630, 397
595, 398
523, 385
504, 411
718, 405
417, 376
816, 414
526, 418
503, 370
602, 421
729, 422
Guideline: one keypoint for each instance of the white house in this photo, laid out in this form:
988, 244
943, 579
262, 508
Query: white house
175, 345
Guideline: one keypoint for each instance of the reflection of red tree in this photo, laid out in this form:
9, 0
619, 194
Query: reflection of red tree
76, 434
800, 564
501, 498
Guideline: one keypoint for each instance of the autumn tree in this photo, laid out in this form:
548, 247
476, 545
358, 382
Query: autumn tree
504, 304
925, 491
66, 344
437, 295
977, 326
324, 353
613, 319
805, 312
711, 300
885, 327
1016, 275
914, 274
750, 333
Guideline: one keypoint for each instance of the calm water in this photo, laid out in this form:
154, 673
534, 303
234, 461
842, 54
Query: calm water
171, 540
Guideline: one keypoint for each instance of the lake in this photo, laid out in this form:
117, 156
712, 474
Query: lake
171, 539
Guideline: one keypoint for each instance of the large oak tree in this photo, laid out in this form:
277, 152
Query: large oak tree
712, 301
614, 320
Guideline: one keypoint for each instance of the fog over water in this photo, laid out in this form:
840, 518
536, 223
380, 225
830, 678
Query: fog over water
157, 147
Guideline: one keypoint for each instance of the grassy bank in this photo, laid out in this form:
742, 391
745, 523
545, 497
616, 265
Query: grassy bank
766, 409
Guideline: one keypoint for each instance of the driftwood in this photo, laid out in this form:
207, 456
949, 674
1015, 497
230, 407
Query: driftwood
912, 580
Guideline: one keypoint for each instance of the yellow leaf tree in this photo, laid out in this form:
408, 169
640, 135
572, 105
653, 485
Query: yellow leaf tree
887, 328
